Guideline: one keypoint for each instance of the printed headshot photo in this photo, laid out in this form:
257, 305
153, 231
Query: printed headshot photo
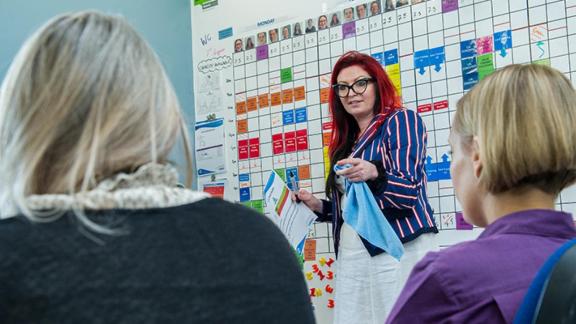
310, 28
238, 45
249, 42
361, 11
261, 38
335, 19
297, 29
273, 35
348, 14
390, 5
375, 8
402, 3
286, 32
322, 22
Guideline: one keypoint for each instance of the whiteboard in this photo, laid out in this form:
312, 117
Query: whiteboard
273, 97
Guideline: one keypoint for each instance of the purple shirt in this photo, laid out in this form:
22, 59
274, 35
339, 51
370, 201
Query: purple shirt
485, 280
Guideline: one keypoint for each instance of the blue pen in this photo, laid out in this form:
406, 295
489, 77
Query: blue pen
295, 188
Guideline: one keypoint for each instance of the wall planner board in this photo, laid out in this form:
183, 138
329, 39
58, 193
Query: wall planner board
262, 73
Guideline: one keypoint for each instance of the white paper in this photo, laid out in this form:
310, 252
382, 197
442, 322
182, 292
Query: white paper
291, 217
210, 147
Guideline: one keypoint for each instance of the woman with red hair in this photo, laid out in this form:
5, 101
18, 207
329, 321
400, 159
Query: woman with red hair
385, 146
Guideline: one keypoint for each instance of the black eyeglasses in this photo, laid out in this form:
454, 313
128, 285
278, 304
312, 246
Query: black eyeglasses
359, 87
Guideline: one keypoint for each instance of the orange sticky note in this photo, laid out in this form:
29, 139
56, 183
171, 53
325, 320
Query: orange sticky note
326, 138
310, 250
263, 101
287, 96
252, 103
299, 93
324, 95
276, 98
240, 107
304, 172
242, 126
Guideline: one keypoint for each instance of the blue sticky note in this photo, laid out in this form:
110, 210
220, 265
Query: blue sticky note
439, 170
469, 72
291, 172
378, 57
244, 194
422, 60
502, 42
468, 48
244, 177
301, 115
225, 33
288, 117
391, 57
437, 57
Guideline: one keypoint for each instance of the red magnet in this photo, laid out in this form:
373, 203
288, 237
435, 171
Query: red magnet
330, 275
315, 268
329, 262
330, 303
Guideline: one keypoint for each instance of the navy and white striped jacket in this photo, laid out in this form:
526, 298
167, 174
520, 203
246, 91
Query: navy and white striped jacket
399, 141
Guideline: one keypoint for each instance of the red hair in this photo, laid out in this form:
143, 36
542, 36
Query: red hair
344, 126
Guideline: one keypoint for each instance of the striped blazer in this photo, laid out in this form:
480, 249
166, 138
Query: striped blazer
399, 143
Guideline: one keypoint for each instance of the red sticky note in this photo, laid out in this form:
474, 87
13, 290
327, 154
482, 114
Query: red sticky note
441, 105
242, 152
425, 108
254, 151
327, 126
290, 141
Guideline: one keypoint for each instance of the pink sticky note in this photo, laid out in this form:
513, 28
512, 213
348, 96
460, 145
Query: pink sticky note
484, 45
461, 224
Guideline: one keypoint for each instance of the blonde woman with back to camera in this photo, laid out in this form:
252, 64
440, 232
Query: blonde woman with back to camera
514, 150
95, 228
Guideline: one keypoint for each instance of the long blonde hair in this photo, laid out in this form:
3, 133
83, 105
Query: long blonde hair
524, 117
85, 98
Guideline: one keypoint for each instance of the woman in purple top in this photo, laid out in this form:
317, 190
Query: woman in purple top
514, 151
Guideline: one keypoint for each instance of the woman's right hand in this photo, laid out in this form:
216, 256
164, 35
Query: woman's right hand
309, 200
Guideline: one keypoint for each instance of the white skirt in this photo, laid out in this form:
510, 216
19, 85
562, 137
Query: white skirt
366, 287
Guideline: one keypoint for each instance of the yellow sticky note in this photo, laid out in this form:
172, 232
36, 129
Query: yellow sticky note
393, 72
326, 162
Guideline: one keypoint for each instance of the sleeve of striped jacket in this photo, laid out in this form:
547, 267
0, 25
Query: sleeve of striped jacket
403, 158
326, 214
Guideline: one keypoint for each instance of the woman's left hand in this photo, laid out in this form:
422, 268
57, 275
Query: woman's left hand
361, 170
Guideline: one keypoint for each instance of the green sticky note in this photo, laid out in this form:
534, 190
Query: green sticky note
300, 258
543, 62
281, 173
485, 65
258, 205
286, 75
199, 2
247, 203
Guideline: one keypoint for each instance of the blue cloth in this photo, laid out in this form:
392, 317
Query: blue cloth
363, 214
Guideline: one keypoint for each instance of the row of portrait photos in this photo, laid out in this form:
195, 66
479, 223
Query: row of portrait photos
311, 25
